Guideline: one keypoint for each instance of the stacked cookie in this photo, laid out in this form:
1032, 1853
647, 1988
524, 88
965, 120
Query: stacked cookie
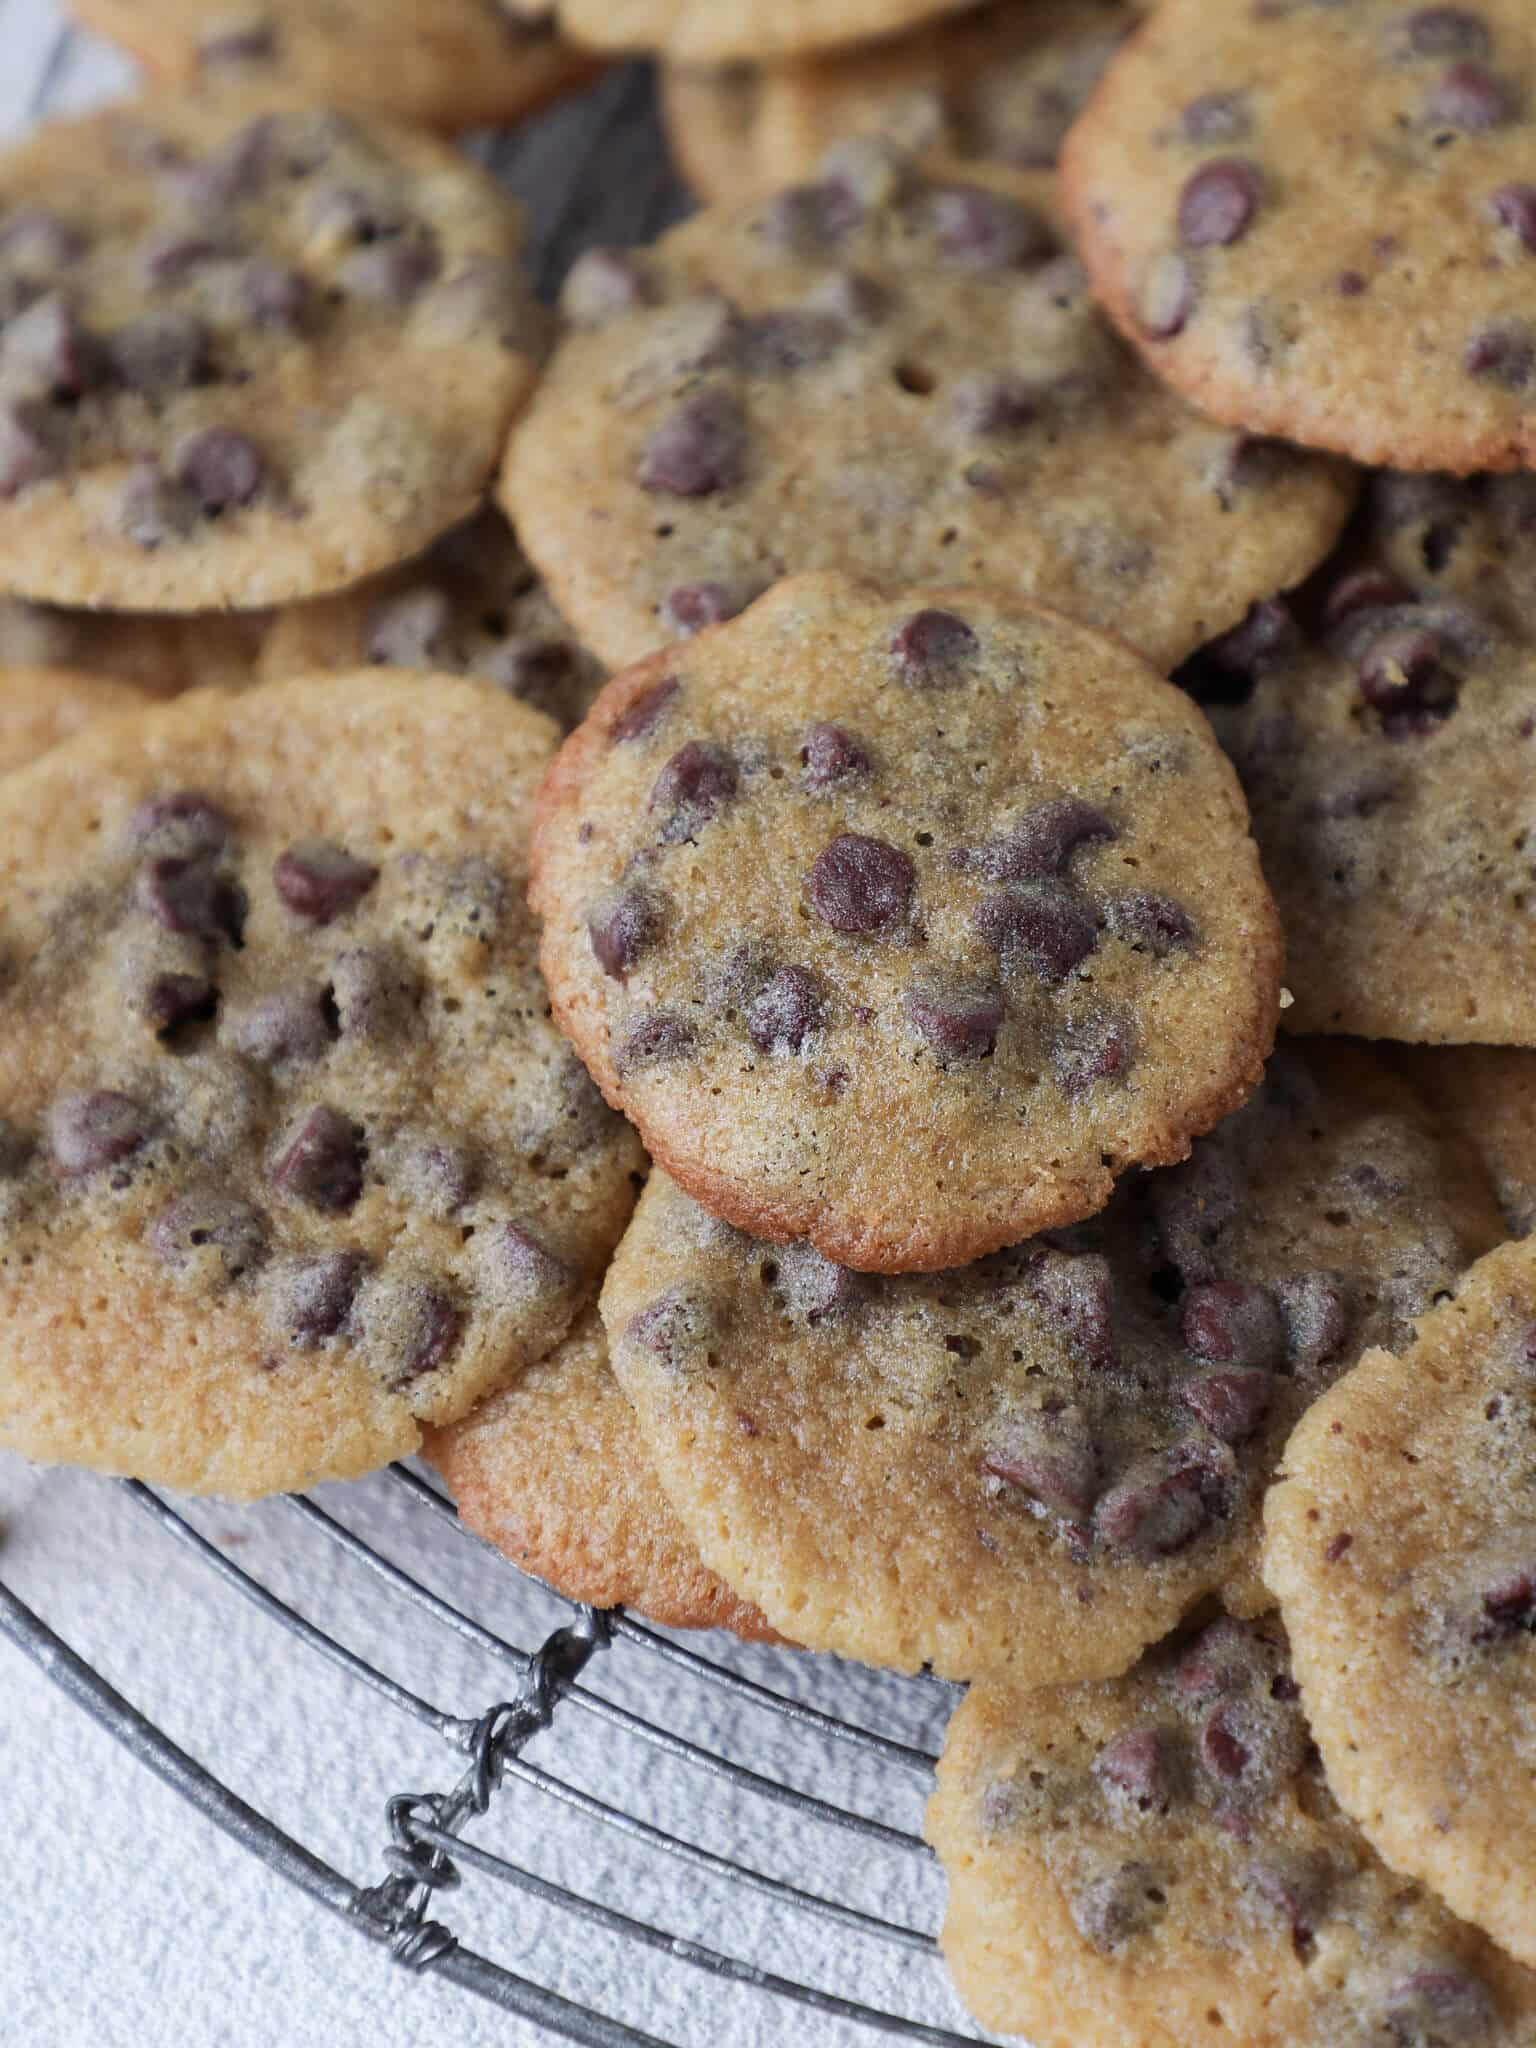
999, 1299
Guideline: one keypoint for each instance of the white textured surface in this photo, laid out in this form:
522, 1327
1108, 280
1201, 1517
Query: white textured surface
130, 1922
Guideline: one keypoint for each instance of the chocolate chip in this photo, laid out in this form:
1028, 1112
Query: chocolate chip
290, 1024
322, 1163
47, 350
1218, 204
1473, 99
692, 606
1222, 1749
1514, 206
603, 283
1111, 1909
314, 1297
1077, 1290
1439, 2006
981, 230
1503, 355
527, 1264
1094, 1049
1039, 925
181, 821
780, 343
1443, 32
621, 925
931, 648
220, 468
831, 755
409, 1326
1039, 845
660, 1037
95, 1127
995, 405
319, 880
700, 448
693, 785
170, 259
1168, 298
190, 896
645, 711
29, 448
1297, 1887
152, 509
1228, 1322
1508, 1606
159, 352
273, 296
214, 1221
375, 991
958, 1018
410, 629
1151, 923
240, 42
393, 271
787, 1011
173, 999
859, 884
1364, 590
1217, 117
1135, 1766
1232, 1403
1048, 1453
1223, 1657
1163, 1502
230, 174
673, 1329
1316, 1312
1403, 676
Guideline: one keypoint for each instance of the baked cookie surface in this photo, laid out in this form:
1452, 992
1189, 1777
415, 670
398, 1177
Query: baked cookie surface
456, 64
1488, 1094
1400, 1545
1157, 1860
904, 925
471, 605
1032, 1467
551, 1471
716, 31
1320, 221
1385, 744
294, 1160
161, 655
41, 707
897, 377
246, 357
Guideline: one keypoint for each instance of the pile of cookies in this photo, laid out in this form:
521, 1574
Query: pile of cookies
689, 914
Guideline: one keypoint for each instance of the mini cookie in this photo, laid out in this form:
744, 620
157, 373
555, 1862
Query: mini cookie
293, 1160
244, 359
458, 64
470, 606
1488, 1094
1031, 1468
1402, 1546
899, 377
719, 31
1320, 221
41, 707
160, 655
1157, 1861
1387, 752
904, 925
1000, 83
551, 1470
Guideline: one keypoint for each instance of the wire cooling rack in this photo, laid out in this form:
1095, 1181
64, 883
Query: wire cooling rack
597, 1732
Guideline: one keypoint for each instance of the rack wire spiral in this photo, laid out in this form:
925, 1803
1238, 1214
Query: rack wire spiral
593, 170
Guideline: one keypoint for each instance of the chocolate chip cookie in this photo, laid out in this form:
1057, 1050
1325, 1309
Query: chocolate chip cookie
1032, 1467
904, 925
1386, 738
471, 605
1402, 1547
161, 655
716, 31
1488, 1094
1320, 220
1158, 1861
245, 358
41, 707
999, 83
551, 1470
293, 1160
896, 376
456, 64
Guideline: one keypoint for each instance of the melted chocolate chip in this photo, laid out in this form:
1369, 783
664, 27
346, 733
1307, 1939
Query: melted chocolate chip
981, 230
174, 999
193, 898
94, 1128
314, 1297
1439, 2007
1471, 98
1049, 1454
1503, 355
1231, 1404
1443, 32
778, 344
391, 272
210, 1219
1039, 925
1039, 845
411, 1328
1163, 1502
692, 606
160, 352
787, 1011
672, 1329
528, 1264
699, 449
273, 296
1364, 590
931, 648
29, 449
657, 1039
1404, 677
319, 880
831, 755
375, 991
322, 1164
1124, 1902
621, 925
181, 821
862, 885
645, 711
1218, 204
1514, 206
695, 783
290, 1024
220, 468
1316, 1311
1153, 924
959, 1019
1135, 1766
1077, 1289
1217, 117
1095, 1049
1227, 1322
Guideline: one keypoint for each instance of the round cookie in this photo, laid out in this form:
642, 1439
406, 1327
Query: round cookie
470, 606
245, 358
1320, 221
898, 377
1488, 1094
1386, 746
293, 1159
1157, 1861
42, 707
719, 31
1401, 1544
904, 925
999, 83
1031, 1468
458, 64
160, 655
551, 1471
